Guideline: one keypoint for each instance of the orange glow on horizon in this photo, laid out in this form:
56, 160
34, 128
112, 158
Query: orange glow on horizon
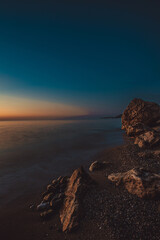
11, 107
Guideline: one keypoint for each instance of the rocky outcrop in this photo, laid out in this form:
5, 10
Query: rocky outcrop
65, 195
139, 111
71, 211
95, 166
138, 119
138, 181
150, 138
136, 129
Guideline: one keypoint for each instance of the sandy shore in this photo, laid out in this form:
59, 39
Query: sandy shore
110, 211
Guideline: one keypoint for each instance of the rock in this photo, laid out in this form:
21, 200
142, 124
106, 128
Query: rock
32, 207
145, 154
95, 166
148, 139
57, 186
156, 153
140, 182
48, 197
57, 201
43, 206
136, 129
71, 211
139, 111
47, 214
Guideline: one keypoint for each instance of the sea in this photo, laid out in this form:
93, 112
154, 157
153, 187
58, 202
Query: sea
32, 153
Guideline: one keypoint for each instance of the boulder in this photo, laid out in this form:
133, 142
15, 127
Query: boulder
149, 139
139, 111
139, 181
71, 211
95, 166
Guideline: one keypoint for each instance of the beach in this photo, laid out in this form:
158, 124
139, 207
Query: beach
110, 211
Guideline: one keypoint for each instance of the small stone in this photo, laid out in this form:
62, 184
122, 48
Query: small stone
95, 166
43, 206
47, 214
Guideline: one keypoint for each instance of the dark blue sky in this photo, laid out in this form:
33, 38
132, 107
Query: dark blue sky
94, 55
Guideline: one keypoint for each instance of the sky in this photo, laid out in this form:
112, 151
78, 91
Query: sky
74, 58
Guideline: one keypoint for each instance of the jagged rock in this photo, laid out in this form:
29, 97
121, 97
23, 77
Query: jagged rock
95, 166
56, 201
71, 211
148, 139
138, 181
53, 197
139, 111
47, 214
43, 206
67, 194
48, 197
57, 186
136, 129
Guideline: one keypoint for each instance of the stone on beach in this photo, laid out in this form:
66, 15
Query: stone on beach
71, 211
47, 214
56, 201
43, 206
95, 166
66, 194
138, 181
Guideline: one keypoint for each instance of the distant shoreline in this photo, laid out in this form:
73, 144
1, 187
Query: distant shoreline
112, 117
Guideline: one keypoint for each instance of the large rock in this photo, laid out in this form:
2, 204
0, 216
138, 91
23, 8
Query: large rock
148, 139
66, 194
139, 111
71, 211
138, 181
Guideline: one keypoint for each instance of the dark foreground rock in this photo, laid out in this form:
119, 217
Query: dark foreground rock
66, 194
140, 182
139, 111
71, 211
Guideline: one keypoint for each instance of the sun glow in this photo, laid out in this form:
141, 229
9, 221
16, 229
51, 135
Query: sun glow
11, 106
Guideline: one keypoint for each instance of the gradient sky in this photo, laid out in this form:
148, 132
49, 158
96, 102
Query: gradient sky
77, 57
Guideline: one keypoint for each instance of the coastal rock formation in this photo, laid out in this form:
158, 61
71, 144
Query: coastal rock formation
136, 129
139, 111
95, 166
138, 181
66, 194
71, 210
149, 139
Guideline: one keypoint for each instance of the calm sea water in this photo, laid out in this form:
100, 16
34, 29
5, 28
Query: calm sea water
34, 152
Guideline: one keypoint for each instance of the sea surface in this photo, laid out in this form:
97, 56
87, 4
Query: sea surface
32, 153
